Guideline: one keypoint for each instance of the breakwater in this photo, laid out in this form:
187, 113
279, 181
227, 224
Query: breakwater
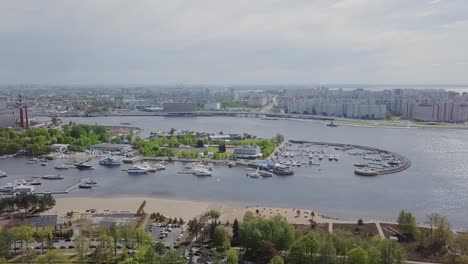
404, 163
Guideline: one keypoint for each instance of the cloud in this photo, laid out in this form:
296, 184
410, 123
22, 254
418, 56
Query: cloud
220, 41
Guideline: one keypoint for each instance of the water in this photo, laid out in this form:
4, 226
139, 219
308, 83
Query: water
437, 181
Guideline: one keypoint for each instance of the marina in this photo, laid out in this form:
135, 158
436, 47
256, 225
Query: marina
309, 186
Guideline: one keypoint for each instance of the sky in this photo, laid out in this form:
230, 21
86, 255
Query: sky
234, 42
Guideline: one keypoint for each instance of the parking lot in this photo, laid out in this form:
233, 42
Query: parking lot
174, 233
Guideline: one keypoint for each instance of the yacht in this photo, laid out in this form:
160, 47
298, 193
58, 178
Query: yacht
32, 161
2, 174
61, 167
336, 157
330, 157
8, 188
311, 156
84, 166
85, 186
254, 174
159, 167
231, 164
321, 157
203, 173
282, 171
110, 161
265, 174
52, 177
137, 170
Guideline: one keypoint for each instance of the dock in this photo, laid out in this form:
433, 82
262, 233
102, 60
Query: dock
67, 190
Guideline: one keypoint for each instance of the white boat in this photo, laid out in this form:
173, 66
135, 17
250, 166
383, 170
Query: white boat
2, 174
137, 170
265, 173
203, 173
254, 174
231, 164
330, 157
310, 156
52, 177
110, 161
61, 167
159, 167
23, 189
8, 188
321, 157
336, 157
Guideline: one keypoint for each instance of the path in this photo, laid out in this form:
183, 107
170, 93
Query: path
379, 228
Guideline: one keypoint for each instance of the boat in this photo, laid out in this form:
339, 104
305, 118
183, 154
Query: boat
336, 157
110, 161
35, 183
331, 124
137, 170
265, 174
282, 171
331, 157
93, 182
321, 157
231, 164
85, 186
61, 167
52, 177
360, 165
254, 174
126, 124
43, 164
314, 163
2, 174
311, 156
32, 161
8, 188
84, 166
203, 173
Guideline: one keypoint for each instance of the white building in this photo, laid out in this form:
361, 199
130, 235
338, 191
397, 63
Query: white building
247, 151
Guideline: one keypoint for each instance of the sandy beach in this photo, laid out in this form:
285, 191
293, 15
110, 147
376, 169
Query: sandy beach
168, 207
185, 209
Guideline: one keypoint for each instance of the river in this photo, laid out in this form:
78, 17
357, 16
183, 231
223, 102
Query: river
437, 181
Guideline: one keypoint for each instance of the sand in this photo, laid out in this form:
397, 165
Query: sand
169, 207
186, 209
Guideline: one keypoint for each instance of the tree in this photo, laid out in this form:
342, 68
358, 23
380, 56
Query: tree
276, 230
374, 255
200, 143
439, 228
54, 256
213, 214
327, 252
221, 239
82, 244
115, 234
235, 232
266, 252
391, 252
28, 255
276, 260
7, 238
304, 250
279, 138
222, 148
248, 216
358, 256
232, 256
407, 223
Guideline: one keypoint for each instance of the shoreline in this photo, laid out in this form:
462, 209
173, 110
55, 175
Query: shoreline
188, 209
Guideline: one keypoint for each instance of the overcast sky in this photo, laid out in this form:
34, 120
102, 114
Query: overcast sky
234, 41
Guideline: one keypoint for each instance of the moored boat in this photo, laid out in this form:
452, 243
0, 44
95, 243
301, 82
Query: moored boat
137, 170
110, 161
61, 167
52, 177
84, 166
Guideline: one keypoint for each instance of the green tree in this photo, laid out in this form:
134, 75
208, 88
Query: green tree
276, 230
7, 238
304, 250
232, 256
54, 256
114, 233
391, 252
82, 244
374, 255
439, 231
407, 223
222, 148
358, 256
221, 239
235, 232
276, 260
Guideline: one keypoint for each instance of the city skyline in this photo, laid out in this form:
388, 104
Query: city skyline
221, 42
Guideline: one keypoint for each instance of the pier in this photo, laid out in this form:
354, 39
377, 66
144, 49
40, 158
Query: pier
67, 190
